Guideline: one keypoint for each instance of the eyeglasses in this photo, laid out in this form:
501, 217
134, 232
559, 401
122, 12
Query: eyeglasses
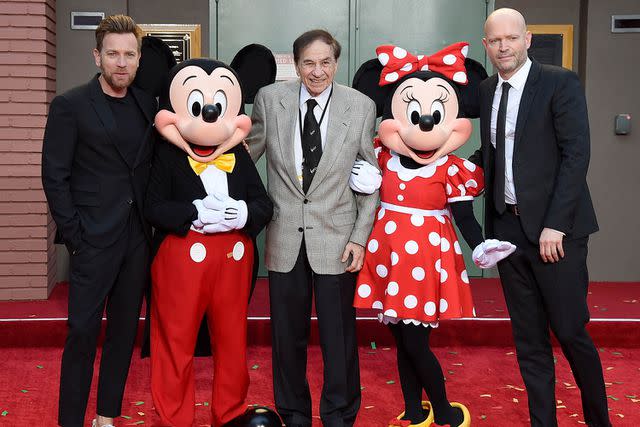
324, 64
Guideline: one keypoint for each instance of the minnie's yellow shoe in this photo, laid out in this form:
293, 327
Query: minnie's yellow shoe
399, 422
466, 421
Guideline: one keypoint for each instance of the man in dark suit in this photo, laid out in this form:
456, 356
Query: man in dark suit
535, 154
96, 159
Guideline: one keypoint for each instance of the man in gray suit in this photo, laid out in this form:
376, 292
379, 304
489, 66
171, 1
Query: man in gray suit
312, 130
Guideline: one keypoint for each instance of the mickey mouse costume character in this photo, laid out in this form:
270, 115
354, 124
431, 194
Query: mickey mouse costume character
414, 272
207, 203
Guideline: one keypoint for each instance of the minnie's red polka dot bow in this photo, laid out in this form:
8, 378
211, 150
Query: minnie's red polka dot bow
397, 63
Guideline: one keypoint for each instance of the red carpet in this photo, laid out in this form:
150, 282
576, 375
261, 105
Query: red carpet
484, 378
607, 300
615, 307
476, 354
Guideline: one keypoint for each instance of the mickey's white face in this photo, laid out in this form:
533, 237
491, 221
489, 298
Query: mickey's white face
205, 123
424, 126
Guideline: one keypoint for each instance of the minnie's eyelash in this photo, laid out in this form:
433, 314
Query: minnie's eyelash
444, 97
408, 97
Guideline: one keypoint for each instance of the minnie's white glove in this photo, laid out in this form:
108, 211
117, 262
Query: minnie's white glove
488, 253
365, 178
231, 214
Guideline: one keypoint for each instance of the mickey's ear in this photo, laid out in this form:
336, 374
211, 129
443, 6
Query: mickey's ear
470, 94
255, 65
156, 61
366, 81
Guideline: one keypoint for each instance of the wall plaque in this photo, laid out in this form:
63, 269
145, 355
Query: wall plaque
183, 40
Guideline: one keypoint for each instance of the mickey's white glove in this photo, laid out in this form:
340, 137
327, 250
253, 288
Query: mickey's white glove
365, 178
232, 213
488, 253
205, 216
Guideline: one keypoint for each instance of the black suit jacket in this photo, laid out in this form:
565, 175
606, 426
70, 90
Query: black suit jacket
174, 186
90, 186
551, 154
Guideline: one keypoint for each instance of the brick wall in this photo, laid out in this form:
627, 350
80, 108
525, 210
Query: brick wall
27, 86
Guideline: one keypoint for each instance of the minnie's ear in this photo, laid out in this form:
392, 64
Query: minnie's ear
470, 93
155, 63
256, 68
366, 81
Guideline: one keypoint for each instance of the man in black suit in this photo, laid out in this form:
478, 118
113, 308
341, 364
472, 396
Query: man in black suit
96, 159
535, 154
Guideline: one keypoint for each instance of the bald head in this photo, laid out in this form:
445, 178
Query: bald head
504, 15
506, 41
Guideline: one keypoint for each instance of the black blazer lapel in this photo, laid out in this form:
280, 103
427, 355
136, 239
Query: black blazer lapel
148, 107
99, 103
487, 93
528, 95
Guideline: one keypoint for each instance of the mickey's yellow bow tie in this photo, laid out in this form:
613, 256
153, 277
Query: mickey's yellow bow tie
224, 162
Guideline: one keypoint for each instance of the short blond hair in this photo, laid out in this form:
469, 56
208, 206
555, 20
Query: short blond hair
120, 24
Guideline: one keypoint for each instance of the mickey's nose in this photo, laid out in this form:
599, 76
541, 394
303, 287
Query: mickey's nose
426, 123
210, 113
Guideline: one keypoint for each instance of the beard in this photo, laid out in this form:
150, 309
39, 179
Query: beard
118, 83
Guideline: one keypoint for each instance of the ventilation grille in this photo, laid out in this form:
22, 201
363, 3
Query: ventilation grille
625, 23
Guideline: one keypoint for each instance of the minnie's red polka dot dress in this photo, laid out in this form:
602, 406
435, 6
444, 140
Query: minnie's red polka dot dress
413, 268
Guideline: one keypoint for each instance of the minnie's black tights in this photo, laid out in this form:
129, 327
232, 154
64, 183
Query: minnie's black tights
419, 369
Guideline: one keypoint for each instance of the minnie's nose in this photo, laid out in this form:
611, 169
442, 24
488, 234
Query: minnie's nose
426, 123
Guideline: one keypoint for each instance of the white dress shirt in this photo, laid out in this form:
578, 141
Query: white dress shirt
517, 82
323, 103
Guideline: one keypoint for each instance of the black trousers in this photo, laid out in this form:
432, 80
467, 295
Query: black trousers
114, 277
540, 296
290, 298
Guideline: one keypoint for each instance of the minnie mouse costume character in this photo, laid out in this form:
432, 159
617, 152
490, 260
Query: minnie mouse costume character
207, 203
413, 271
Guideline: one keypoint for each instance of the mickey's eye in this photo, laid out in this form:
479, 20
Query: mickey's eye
413, 112
437, 111
220, 101
195, 103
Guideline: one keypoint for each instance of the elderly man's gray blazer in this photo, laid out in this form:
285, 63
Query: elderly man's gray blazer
330, 214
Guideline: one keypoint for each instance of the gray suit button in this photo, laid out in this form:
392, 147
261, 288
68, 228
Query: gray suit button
306, 201
300, 229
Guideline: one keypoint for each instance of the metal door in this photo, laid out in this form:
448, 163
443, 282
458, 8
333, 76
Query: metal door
420, 26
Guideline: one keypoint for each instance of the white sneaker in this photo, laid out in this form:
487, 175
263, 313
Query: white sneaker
94, 423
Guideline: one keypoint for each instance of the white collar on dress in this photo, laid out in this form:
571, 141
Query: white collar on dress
406, 174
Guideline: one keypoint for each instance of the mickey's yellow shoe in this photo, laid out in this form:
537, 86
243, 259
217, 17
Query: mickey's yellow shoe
399, 422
